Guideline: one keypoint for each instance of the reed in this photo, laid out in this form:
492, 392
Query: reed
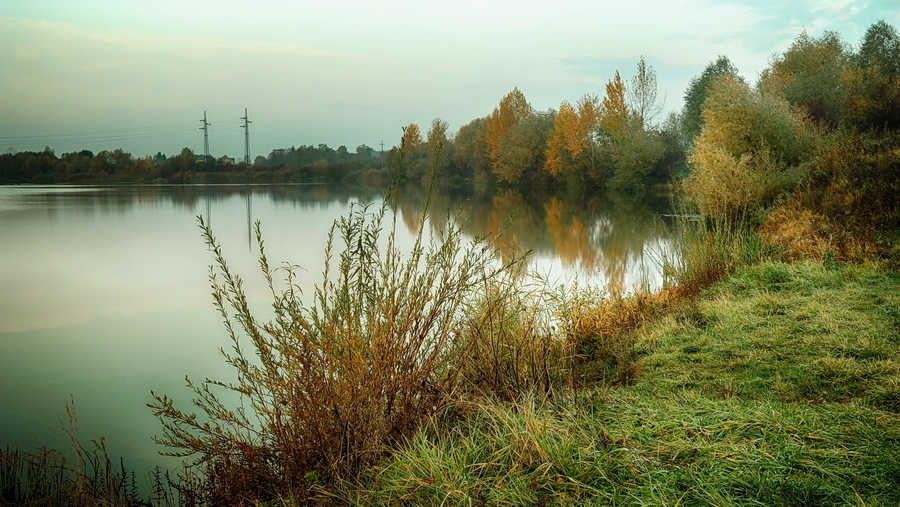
710, 249
83, 476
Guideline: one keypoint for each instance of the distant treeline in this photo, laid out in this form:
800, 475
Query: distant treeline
306, 164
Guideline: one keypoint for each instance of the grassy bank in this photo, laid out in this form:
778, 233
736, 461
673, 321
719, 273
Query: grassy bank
779, 386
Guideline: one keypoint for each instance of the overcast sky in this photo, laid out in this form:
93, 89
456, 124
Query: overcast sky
138, 74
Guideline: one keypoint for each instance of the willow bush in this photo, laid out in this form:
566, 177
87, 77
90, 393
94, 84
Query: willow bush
749, 151
328, 386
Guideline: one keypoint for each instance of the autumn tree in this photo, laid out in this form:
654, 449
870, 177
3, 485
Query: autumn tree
414, 160
631, 151
411, 142
559, 159
614, 108
571, 146
505, 138
748, 151
521, 148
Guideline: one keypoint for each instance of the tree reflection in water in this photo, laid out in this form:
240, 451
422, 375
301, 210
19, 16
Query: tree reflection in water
617, 241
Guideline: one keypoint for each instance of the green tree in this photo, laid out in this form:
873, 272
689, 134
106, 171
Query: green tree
873, 84
471, 150
634, 152
808, 75
881, 48
695, 95
437, 142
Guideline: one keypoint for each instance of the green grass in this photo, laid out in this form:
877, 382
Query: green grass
794, 333
778, 387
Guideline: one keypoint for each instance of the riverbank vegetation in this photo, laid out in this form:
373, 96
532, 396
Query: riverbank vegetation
765, 372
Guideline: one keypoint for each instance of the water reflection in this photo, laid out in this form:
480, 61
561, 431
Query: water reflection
604, 239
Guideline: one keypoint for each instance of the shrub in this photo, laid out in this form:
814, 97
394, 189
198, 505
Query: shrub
331, 385
748, 152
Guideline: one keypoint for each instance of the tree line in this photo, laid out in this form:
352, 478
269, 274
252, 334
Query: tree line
740, 144
614, 142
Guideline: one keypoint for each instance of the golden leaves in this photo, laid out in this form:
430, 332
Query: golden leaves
411, 141
512, 109
572, 132
500, 127
614, 109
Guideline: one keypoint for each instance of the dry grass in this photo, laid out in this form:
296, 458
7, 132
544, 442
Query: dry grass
601, 330
800, 233
507, 346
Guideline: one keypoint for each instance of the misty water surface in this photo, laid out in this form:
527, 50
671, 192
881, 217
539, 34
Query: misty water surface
104, 294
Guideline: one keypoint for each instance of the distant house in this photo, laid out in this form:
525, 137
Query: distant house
225, 160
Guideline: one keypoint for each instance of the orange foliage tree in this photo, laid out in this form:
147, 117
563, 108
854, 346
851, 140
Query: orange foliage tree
508, 131
571, 143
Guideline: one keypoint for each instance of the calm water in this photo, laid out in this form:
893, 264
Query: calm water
104, 293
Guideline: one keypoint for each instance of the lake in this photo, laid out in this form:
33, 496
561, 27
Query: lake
104, 294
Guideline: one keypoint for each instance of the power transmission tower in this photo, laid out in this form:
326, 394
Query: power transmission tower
246, 127
205, 129
382, 154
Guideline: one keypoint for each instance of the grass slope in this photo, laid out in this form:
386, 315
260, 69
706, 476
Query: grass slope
781, 387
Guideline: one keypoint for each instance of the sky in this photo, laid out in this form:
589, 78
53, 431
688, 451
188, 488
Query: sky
139, 75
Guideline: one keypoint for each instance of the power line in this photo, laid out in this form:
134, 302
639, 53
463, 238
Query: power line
246, 127
150, 131
205, 129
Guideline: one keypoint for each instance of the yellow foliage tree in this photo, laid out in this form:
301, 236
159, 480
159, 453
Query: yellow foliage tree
747, 152
501, 126
572, 135
411, 142
566, 119
614, 109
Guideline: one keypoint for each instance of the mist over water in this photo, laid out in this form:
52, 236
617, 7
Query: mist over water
104, 291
